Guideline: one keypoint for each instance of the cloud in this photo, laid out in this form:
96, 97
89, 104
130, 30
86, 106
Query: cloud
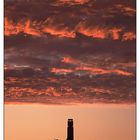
9, 28
65, 86
99, 32
36, 29
20, 27
29, 30
60, 30
72, 2
103, 71
63, 71
129, 36
69, 89
91, 32
62, 51
39, 29
115, 33
70, 60
126, 10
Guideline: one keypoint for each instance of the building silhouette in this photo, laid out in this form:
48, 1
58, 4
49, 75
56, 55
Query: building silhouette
70, 133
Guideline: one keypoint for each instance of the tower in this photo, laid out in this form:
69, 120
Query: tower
70, 133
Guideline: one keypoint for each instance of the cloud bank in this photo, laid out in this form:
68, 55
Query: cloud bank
70, 51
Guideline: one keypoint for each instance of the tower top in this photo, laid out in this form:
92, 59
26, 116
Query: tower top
70, 122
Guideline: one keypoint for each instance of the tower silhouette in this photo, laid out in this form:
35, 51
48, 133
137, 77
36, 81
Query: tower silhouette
70, 133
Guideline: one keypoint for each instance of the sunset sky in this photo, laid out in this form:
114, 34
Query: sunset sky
71, 55
91, 122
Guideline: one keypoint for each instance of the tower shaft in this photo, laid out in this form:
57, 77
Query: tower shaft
70, 133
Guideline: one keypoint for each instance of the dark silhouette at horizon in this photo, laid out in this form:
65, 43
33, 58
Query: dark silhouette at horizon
70, 133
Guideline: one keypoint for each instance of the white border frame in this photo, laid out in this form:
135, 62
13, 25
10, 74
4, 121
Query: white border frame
2, 73
1, 70
138, 72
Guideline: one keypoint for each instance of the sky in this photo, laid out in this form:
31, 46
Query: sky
66, 53
62, 51
91, 122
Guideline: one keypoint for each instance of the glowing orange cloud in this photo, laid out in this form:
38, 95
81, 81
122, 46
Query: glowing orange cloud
59, 32
115, 33
92, 70
29, 30
100, 91
57, 70
18, 92
70, 60
129, 36
11, 28
52, 91
103, 71
81, 1
120, 72
73, 2
33, 28
37, 29
95, 32
98, 32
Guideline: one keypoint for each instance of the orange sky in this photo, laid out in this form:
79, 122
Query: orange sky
91, 122
64, 52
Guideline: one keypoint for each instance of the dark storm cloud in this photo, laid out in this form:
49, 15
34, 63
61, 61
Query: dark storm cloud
68, 51
97, 19
28, 85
